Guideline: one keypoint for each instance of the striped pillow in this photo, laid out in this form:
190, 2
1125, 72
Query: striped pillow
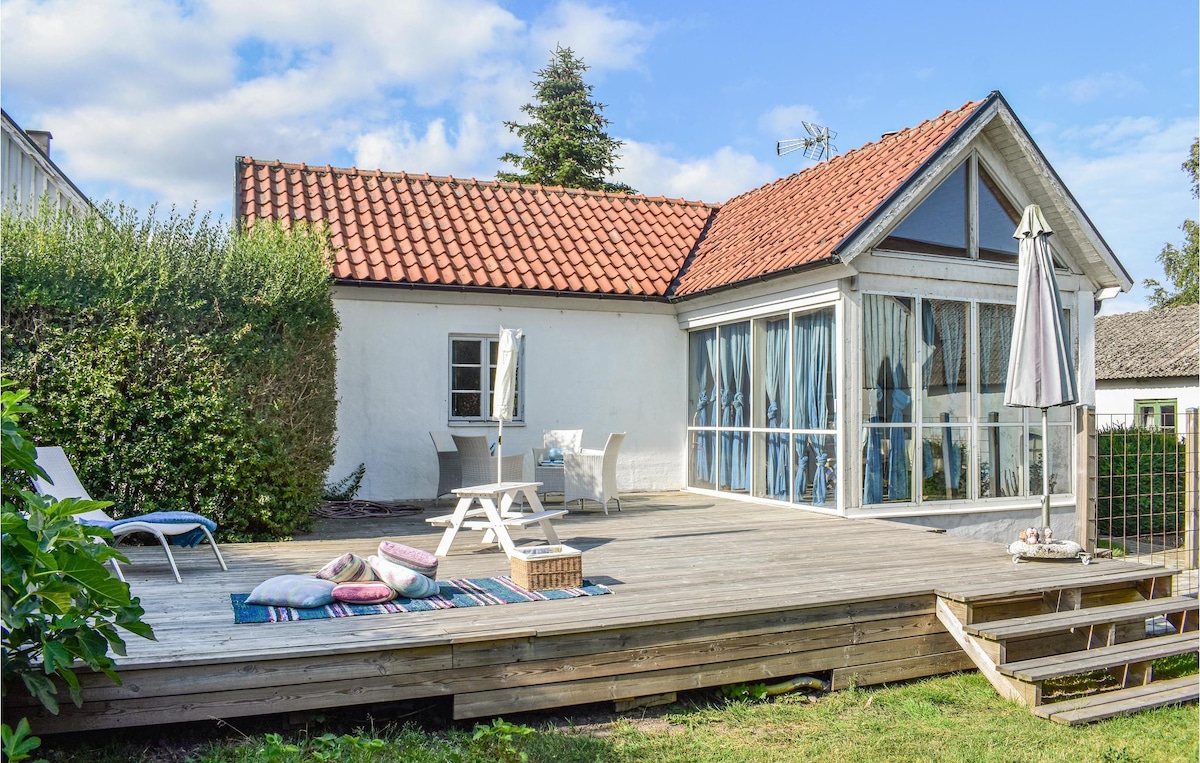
409, 584
373, 592
415, 559
347, 568
299, 591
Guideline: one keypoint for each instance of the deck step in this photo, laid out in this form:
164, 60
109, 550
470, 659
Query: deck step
1056, 622
1087, 577
1108, 704
1073, 663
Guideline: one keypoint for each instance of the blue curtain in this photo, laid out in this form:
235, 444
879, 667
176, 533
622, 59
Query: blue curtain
801, 410
952, 327
704, 352
886, 340
777, 444
898, 450
929, 340
818, 371
734, 346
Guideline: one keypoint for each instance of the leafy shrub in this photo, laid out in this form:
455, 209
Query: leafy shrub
182, 365
346, 488
1140, 482
59, 602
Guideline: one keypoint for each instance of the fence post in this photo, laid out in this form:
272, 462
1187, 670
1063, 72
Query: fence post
1191, 488
1086, 476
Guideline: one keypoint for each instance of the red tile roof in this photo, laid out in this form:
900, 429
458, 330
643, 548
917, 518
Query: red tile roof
799, 220
416, 229
393, 227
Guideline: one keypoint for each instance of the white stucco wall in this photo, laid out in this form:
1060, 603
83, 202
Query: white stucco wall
1115, 397
600, 365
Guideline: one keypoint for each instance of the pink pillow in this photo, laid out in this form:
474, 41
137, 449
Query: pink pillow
415, 559
374, 592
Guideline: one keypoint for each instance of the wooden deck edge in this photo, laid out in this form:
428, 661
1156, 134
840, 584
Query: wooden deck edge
891, 671
1024, 627
637, 675
585, 691
858, 621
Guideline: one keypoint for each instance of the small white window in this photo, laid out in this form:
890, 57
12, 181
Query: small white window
472, 375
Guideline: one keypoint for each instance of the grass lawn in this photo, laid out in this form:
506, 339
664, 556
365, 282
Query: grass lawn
948, 718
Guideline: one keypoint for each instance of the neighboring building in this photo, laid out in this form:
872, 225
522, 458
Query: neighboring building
1148, 365
836, 340
28, 176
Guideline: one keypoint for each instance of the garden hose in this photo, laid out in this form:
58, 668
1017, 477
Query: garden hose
799, 682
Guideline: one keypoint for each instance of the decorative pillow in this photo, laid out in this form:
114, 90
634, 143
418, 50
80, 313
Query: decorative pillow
421, 562
347, 568
300, 591
409, 584
373, 592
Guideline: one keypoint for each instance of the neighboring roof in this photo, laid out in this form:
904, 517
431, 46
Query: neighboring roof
416, 229
800, 219
1149, 344
28, 174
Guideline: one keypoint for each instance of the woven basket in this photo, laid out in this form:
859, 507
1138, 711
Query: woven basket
542, 567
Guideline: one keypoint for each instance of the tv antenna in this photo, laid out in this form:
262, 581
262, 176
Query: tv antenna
816, 146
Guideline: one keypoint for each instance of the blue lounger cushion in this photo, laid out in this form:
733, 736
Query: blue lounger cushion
164, 518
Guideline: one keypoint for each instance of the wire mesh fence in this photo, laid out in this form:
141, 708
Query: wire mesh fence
1146, 492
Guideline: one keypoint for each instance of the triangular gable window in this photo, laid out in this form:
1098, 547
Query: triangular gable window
997, 221
939, 224
948, 219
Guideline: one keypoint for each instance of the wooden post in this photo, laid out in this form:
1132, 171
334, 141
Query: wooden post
1086, 477
1191, 489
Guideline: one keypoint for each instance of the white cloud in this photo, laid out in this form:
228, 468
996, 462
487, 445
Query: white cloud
717, 177
1126, 175
160, 97
785, 121
467, 151
595, 33
1109, 85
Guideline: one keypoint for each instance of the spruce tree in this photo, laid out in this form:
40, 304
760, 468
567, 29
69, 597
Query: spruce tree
565, 141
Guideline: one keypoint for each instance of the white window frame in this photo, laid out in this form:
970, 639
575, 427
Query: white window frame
486, 342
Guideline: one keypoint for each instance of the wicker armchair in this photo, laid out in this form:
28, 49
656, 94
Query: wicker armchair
449, 470
479, 465
592, 474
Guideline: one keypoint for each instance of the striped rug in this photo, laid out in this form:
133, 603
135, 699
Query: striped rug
465, 592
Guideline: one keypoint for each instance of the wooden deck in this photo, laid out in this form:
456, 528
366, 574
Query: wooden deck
705, 592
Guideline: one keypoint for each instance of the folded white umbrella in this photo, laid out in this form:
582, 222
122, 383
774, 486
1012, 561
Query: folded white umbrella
1040, 371
504, 389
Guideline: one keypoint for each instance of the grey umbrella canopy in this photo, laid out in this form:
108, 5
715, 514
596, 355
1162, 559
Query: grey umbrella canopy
1040, 371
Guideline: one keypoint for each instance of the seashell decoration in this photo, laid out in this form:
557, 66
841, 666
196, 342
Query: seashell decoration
1047, 534
1031, 536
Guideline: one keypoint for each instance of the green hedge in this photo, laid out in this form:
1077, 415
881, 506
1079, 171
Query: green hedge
182, 366
1140, 482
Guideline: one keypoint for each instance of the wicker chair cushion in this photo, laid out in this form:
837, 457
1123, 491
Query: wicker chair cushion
347, 568
409, 584
374, 592
301, 591
415, 559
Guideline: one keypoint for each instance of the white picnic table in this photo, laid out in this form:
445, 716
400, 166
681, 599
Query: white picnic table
495, 514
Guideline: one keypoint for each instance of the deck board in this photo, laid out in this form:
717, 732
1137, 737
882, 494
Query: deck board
704, 591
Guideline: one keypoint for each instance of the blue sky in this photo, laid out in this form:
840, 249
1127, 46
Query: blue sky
150, 102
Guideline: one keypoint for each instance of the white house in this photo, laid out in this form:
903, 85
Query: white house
27, 176
1148, 365
836, 341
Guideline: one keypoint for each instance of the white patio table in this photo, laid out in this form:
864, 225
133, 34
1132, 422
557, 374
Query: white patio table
495, 514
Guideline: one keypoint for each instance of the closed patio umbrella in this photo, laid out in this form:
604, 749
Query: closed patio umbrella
504, 390
1040, 372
